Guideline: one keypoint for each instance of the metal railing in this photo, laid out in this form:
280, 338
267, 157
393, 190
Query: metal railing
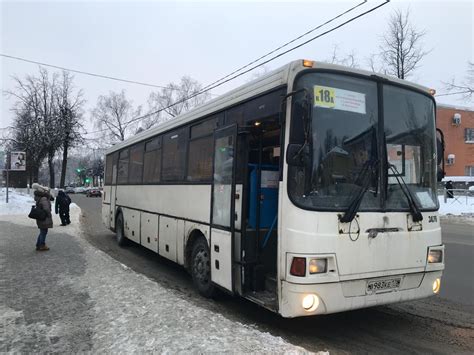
460, 196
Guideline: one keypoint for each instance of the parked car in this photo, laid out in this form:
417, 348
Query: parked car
69, 190
94, 192
80, 190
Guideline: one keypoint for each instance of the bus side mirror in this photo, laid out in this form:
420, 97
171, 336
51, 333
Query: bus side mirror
440, 154
295, 155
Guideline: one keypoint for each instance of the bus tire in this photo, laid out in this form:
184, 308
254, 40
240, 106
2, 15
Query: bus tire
201, 268
119, 231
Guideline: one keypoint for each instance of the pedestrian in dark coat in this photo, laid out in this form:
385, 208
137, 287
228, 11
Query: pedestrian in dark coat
43, 200
449, 189
62, 207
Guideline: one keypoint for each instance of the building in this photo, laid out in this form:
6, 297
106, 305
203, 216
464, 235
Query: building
457, 124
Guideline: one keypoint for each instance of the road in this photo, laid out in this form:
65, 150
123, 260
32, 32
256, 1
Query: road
458, 278
438, 325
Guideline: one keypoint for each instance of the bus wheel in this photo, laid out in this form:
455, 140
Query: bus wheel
201, 268
120, 233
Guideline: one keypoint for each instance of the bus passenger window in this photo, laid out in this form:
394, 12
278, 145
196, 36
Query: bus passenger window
200, 159
152, 161
174, 149
109, 161
136, 164
123, 167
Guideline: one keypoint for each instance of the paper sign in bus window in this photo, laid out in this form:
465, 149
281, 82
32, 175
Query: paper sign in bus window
339, 99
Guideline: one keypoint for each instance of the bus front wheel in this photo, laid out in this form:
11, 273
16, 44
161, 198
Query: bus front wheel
201, 268
119, 230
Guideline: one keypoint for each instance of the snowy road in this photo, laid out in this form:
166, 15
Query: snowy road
434, 325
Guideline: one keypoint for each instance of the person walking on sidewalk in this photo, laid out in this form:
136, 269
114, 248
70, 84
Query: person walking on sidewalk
62, 206
43, 200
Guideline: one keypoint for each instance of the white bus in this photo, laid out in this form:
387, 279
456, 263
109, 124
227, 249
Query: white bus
311, 190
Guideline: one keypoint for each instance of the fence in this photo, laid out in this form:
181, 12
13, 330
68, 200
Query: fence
460, 196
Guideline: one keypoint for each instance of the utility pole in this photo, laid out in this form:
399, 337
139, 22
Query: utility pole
8, 174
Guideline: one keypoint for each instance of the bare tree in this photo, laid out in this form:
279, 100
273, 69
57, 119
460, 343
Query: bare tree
176, 96
401, 50
51, 132
70, 111
465, 87
262, 70
347, 59
35, 127
114, 113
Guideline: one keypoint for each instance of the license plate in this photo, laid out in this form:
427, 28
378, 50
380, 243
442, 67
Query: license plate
383, 285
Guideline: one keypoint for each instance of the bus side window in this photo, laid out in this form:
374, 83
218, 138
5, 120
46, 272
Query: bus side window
136, 164
174, 152
123, 167
200, 150
152, 161
109, 162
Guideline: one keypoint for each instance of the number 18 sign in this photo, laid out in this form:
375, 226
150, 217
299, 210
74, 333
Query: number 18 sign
339, 99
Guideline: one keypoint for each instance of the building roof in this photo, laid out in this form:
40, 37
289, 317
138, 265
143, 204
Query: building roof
455, 107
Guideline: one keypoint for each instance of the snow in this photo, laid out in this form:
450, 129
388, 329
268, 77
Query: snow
457, 206
132, 313
18, 203
19, 206
458, 178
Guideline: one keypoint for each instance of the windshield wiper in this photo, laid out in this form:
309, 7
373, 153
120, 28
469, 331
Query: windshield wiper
353, 207
415, 211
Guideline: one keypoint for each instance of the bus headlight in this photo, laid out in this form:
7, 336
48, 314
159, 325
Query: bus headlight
318, 266
435, 256
310, 302
436, 285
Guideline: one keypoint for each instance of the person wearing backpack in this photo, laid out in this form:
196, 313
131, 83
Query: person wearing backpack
62, 206
43, 200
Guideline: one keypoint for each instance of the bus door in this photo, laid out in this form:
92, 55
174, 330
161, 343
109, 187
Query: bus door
223, 207
113, 192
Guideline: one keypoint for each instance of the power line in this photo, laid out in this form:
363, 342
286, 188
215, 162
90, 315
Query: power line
288, 43
87, 73
222, 81
455, 93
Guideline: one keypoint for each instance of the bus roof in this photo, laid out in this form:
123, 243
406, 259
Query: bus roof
262, 84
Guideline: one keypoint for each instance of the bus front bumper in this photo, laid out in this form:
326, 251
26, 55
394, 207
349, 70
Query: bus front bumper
348, 295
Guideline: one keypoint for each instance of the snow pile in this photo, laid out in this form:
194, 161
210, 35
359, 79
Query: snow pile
18, 203
458, 206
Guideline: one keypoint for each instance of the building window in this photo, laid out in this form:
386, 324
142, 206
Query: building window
469, 171
469, 135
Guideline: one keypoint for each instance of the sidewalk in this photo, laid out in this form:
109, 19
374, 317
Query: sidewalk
76, 298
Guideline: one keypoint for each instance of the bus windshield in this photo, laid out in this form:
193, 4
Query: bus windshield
345, 145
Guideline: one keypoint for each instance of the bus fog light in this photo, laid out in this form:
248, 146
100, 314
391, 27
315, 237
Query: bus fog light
310, 302
318, 266
436, 285
435, 256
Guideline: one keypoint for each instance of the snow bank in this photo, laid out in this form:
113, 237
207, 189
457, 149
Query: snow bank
458, 206
18, 203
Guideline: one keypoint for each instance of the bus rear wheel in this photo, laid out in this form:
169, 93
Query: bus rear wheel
201, 268
119, 231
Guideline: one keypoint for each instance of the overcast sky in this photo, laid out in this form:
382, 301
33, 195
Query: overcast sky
159, 42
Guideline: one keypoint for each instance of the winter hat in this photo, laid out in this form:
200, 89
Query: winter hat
39, 187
